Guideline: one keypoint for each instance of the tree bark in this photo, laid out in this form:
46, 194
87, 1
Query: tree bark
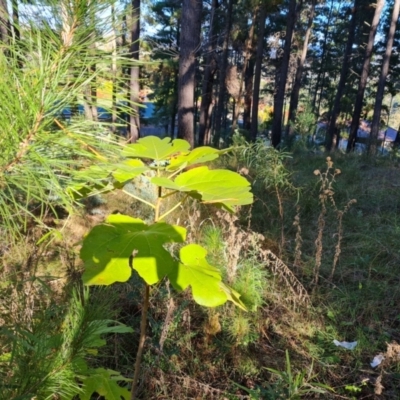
4, 22
248, 50
280, 95
114, 71
382, 80
248, 95
355, 122
321, 71
343, 76
294, 98
257, 73
223, 66
134, 87
190, 41
208, 80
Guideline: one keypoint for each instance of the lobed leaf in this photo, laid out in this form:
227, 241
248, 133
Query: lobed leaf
108, 248
204, 279
218, 186
104, 382
154, 148
197, 156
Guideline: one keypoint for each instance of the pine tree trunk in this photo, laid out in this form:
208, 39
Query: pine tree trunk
343, 76
208, 80
248, 50
321, 71
190, 41
382, 80
4, 22
280, 95
355, 122
294, 98
248, 95
114, 71
134, 88
223, 66
257, 73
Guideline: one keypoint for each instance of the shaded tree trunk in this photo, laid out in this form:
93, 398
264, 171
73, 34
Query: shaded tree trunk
4, 22
15, 18
294, 98
208, 80
257, 73
248, 50
248, 95
223, 66
114, 71
190, 40
134, 87
343, 76
355, 122
280, 95
321, 72
372, 145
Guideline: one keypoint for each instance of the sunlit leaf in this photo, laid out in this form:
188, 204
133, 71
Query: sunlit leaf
217, 186
108, 248
104, 382
197, 156
154, 148
128, 170
204, 279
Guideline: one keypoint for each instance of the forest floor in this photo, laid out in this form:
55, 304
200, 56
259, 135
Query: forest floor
312, 265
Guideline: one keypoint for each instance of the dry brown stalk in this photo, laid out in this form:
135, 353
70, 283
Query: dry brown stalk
283, 272
340, 214
298, 240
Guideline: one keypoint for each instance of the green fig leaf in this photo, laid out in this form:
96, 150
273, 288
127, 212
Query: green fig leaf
104, 382
128, 170
204, 279
233, 296
108, 248
217, 186
197, 156
156, 149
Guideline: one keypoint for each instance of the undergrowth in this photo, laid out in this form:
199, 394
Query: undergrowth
305, 283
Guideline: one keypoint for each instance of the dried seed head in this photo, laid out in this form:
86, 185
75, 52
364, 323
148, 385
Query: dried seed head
317, 172
337, 171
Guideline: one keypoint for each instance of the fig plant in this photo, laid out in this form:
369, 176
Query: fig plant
112, 250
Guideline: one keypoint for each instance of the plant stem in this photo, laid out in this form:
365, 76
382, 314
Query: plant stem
172, 209
142, 339
140, 199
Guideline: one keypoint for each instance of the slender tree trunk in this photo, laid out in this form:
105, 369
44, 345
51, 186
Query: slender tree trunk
134, 87
321, 69
190, 41
257, 73
15, 18
4, 22
248, 95
93, 67
223, 66
247, 54
355, 122
174, 110
294, 98
280, 95
382, 80
114, 71
343, 76
207, 137
208, 80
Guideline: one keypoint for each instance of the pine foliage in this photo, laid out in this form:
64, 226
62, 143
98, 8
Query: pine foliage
44, 75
